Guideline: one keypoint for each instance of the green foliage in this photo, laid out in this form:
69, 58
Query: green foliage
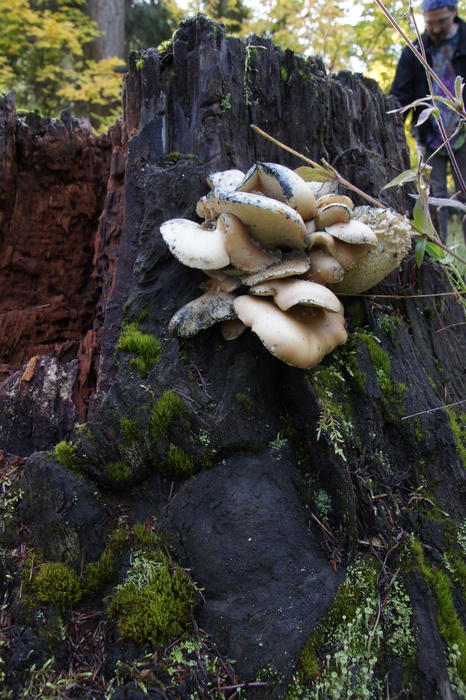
179, 465
57, 584
458, 426
121, 474
163, 413
42, 58
99, 574
154, 604
448, 621
146, 348
65, 454
351, 639
129, 430
244, 399
150, 23
231, 13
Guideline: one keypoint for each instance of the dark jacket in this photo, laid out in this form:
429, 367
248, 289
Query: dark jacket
410, 79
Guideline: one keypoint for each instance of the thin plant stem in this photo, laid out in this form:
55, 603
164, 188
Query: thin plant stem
335, 175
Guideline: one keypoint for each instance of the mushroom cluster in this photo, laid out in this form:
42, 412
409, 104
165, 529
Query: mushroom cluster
277, 250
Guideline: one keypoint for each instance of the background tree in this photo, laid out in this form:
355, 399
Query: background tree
231, 13
149, 23
109, 16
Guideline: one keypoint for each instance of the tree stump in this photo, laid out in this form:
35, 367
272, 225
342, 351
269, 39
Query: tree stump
325, 519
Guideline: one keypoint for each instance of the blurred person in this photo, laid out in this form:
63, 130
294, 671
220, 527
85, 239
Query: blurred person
444, 42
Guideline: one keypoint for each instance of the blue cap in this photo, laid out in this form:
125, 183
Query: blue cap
428, 5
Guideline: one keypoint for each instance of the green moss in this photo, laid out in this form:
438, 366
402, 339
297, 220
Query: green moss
154, 604
179, 465
458, 427
244, 399
57, 584
120, 474
163, 413
100, 574
146, 537
175, 156
65, 454
355, 313
146, 347
448, 622
129, 430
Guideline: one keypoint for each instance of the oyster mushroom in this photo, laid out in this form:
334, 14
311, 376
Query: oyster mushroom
225, 179
195, 245
289, 292
243, 252
299, 338
330, 214
376, 262
282, 184
201, 313
270, 223
294, 263
325, 269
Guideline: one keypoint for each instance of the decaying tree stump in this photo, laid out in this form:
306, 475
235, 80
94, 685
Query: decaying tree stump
305, 480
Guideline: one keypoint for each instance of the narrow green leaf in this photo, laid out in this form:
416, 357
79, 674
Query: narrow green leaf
434, 251
417, 216
420, 250
459, 87
406, 176
314, 174
424, 116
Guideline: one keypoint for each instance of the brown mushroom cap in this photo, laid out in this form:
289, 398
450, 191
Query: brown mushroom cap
195, 245
243, 252
299, 339
201, 313
270, 223
289, 292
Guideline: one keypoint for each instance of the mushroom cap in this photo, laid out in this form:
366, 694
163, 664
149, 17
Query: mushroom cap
282, 184
299, 339
201, 313
232, 328
294, 263
374, 263
330, 214
243, 252
344, 253
354, 232
270, 223
289, 292
325, 269
225, 179
194, 245
334, 198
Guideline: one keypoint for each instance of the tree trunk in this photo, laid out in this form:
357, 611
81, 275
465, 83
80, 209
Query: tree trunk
110, 18
325, 519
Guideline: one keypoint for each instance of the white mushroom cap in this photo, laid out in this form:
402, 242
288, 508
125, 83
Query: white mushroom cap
201, 313
272, 224
194, 245
294, 263
374, 263
243, 252
225, 179
289, 292
333, 198
282, 184
354, 232
301, 339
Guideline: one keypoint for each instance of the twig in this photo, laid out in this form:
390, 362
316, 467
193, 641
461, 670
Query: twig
431, 410
323, 527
